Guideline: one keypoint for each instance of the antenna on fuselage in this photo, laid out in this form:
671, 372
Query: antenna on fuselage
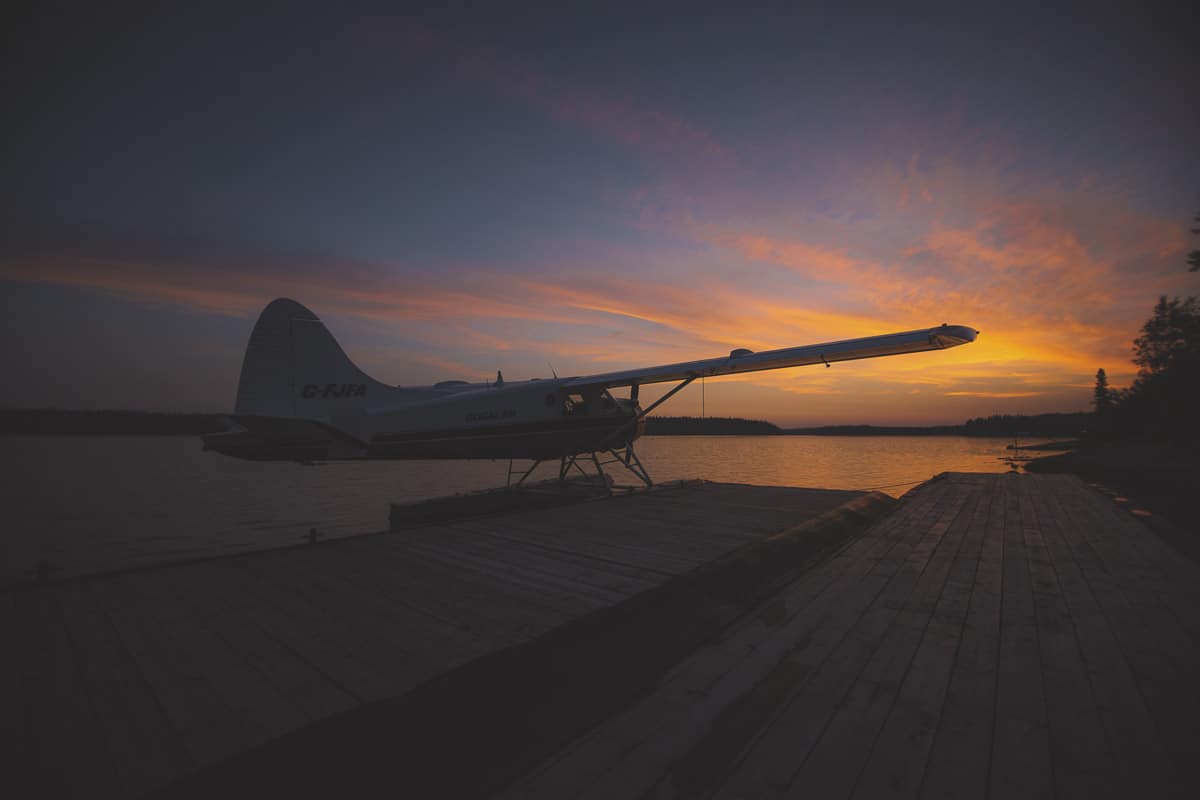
552, 372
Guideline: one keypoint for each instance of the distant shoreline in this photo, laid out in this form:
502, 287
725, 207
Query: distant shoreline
880, 430
71, 422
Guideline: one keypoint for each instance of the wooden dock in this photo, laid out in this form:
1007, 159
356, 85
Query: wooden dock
1001, 636
997, 636
120, 685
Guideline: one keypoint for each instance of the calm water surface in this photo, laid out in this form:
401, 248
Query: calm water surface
87, 504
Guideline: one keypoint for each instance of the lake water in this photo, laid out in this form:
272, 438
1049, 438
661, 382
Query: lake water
89, 504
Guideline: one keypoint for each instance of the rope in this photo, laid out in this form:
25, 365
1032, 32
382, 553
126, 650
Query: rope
888, 486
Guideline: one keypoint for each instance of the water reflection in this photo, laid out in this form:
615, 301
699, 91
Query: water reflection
86, 504
893, 464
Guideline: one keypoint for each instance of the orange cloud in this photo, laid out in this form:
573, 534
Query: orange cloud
683, 323
1024, 275
993, 394
1054, 298
813, 261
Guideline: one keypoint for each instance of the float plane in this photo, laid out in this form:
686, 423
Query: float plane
300, 398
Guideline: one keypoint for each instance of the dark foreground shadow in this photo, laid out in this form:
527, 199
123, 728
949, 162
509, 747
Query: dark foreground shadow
475, 729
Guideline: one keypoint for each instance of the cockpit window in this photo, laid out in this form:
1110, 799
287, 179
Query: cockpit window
574, 405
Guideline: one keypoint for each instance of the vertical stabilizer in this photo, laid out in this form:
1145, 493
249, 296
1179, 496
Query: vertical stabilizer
295, 368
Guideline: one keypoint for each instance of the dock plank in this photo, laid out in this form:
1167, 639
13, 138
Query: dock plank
190, 705
298, 614
1020, 745
598, 543
399, 645
1146, 682
671, 537
957, 765
1082, 755
829, 659
864, 691
1138, 757
1162, 650
482, 600
727, 669
511, 567
975, 666
636, 750
612, 572
262, 713
598, 579
296, 679
899, 756
144, 746
16, 760
62, 725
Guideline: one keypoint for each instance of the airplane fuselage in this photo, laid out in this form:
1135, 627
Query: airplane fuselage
538, 419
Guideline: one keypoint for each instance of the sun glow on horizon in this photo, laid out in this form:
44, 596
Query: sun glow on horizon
486, 201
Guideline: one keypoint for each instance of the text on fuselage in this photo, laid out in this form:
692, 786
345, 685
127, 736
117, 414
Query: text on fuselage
482, 416
312, 390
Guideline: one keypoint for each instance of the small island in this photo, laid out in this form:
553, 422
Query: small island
710, 426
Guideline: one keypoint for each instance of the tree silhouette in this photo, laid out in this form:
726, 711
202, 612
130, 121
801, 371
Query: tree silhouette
1170, 339
1102, 396
1164, 399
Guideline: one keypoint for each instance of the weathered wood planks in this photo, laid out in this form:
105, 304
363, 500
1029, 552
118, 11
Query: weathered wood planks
998, 636
116, 685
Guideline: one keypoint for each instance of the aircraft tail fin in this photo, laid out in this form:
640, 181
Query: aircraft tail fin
295, 368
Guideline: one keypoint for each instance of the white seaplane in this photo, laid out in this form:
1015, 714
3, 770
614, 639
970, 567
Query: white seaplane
300, 398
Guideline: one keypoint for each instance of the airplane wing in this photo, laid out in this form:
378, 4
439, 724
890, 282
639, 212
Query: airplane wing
740, 361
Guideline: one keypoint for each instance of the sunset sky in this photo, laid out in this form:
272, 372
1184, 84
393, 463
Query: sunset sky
519, 188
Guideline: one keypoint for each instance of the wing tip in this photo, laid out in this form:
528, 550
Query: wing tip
953, 335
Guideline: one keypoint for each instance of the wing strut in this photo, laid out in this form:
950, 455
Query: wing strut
641, 414
627, 459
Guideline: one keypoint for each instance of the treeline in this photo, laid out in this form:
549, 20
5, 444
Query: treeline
1006, 425
1164, 400
997, 425
878, 430
68, 422
709, 426
1072, 424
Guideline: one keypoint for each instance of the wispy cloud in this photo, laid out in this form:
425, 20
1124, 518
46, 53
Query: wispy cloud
994, 394
1053, 276
1057, 276
617, 115
1056, 293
